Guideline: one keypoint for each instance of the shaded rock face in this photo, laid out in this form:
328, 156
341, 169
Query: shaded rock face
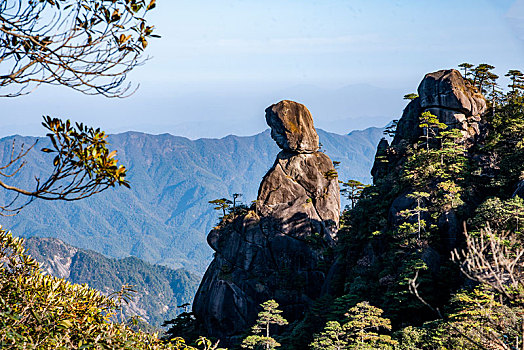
380, 164
447, 89
453, 100
277, 250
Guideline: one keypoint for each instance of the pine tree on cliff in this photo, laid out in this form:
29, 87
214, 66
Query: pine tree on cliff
359, 332
482, 74
353, 190
431, 126
221, 204
270, 315
517, 79
466, 66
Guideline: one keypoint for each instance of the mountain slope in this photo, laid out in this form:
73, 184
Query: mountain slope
159, 289
165, 216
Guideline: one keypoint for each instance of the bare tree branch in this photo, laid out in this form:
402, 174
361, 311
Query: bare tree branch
87, 45
495, 259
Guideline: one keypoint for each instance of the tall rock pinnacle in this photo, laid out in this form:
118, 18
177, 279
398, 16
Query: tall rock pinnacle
279, 249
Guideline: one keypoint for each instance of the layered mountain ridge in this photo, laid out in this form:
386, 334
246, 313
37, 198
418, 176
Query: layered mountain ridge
164, 216
159, 289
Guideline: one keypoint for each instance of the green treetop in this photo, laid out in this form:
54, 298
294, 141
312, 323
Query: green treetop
359, 332
410, 96
482, 74
353, 190
466, 67
431, 126
270, 315
221, 204
419, 197
517, 79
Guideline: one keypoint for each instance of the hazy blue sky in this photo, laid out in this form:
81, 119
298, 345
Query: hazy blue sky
221, 62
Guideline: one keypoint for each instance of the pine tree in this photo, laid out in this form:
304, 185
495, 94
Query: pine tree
391, 129
353, 190
359, 332
431, 126
465, 66
410, 96
419, 197
517, 79
270, 315
482, 73
221, 204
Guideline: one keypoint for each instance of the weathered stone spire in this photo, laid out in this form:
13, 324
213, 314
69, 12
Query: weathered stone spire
276, 250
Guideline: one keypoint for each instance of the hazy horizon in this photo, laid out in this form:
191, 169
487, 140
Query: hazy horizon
267, 129
219, 65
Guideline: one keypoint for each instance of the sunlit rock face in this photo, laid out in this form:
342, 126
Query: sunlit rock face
292, 127
279, 249
453, 99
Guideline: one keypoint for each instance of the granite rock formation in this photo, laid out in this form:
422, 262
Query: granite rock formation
292, 127
279, 249
459, 105
453, 99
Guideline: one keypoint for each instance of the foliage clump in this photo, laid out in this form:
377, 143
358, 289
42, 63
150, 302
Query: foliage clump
359, 332
261, 339
39, 311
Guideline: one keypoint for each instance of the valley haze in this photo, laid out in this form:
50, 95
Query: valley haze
165, 217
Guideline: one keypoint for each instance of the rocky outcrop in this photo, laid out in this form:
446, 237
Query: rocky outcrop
278, 249
55, 257
380, 164
453, 99
459, 105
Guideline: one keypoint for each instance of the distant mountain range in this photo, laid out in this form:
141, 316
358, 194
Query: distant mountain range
159, 289
165, 217
196, 111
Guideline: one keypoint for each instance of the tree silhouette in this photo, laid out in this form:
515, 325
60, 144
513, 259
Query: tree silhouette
221, 204
86, 45
482, 74
466, 67
517, 80
83, 166
391, 129
235, 196
353, 189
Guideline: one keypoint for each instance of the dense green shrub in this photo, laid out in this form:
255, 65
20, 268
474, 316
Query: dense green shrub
38, 311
